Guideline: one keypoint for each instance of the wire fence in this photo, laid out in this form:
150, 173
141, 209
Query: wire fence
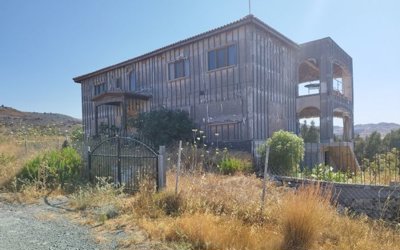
337, 162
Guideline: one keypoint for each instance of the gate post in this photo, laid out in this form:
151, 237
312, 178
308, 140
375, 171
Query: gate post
161, 176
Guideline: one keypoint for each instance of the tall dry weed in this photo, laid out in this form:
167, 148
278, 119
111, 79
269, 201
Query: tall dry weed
223, 212
207, 231
303, 214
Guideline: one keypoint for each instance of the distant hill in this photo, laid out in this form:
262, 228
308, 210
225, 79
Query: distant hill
15, 121
366, 129
383, 128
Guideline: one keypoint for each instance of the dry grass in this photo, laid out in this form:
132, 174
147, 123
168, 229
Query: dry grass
303, 216
14, 153
222, 212
11, 161
217, 212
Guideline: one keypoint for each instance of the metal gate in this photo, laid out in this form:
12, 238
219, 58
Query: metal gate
124, 161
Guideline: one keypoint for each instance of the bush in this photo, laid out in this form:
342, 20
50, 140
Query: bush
53, 167
231, 165
170, 203
325, 173
164, 126
286, 152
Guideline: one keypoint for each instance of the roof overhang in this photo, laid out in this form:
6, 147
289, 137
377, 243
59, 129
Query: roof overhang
116, 98
246, 20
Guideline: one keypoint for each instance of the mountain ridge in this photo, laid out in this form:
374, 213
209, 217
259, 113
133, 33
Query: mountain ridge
14, 121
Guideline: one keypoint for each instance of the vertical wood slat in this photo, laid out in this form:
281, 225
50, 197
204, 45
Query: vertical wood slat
262, 79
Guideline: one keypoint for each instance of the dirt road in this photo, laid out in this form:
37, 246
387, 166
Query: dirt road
40, 226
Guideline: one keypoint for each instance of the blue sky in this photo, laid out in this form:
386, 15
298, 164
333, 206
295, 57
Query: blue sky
45, 43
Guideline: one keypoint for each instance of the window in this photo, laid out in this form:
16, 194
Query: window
222, 57
100, 88
178, 69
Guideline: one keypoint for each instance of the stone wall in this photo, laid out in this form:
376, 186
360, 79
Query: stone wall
378, 202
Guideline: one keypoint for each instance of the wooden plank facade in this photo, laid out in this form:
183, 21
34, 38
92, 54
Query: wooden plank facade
239, 81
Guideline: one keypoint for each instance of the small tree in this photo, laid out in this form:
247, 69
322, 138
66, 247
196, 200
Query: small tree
359, 148
373, 145
286, 152
309, 133
164, 126
392, 140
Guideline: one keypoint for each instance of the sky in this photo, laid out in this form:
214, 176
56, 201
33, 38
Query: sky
45, 43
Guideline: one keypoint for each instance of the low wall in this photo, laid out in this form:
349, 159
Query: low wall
378, 202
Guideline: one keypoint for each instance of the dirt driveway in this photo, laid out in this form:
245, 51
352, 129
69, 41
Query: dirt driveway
40, 226
48, 224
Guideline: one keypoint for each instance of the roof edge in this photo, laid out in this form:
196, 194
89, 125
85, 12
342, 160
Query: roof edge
245, 20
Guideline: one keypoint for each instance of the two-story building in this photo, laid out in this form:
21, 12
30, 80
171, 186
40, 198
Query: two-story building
239, 83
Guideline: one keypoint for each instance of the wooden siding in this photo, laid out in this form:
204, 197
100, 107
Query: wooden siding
206, 95
249, 100
274, 88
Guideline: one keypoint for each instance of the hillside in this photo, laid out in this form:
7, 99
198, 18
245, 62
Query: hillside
32, 123
383, 128
366, 129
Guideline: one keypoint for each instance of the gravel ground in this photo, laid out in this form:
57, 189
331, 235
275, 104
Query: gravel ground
40, 226
48, 225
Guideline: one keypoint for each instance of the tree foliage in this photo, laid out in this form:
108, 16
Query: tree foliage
309, 133
164, 126
286, 152
373, 144
392, 140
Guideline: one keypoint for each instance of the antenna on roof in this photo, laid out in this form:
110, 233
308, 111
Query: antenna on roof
249, 7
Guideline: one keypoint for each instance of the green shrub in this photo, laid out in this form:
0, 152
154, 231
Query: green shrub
286, 152
53, 167
163, 126
231, 165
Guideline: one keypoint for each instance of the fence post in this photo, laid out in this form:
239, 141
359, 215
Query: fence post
265, 176
119, 160
161, 178
178, 167
89, 174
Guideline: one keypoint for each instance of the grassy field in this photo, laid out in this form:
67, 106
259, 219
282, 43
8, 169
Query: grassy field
213, 211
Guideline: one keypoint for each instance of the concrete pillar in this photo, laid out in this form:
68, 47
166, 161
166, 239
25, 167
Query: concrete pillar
326, 118
347, 128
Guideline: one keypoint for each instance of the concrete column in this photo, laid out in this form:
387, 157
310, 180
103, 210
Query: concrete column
347, 131
326, 118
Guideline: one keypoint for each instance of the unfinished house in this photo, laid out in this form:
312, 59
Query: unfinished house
239, 83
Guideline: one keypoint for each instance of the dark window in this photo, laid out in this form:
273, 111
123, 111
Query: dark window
100, 88
212, 60
222, 57
178, 69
